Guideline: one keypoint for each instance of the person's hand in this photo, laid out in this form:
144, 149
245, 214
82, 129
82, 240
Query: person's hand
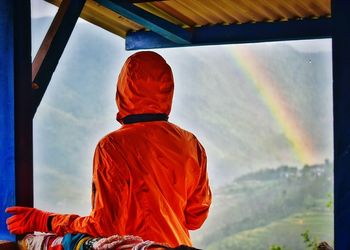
26, 219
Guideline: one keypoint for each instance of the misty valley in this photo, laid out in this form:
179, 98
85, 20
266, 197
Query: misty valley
272, 207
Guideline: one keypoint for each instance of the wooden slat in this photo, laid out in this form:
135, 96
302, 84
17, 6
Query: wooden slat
290, 9
194, 12
232, 17
165, 6
226, 4
110, 16
152, 8
236, 6
265, 13
325, 6
281, 10
97, 14
97, 20
206, 10
306, 7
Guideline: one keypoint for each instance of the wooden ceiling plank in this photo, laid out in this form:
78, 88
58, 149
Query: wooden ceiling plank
105, 24
179, 15
288, 5
278, 8
232, 12
318, 9
209, 10
326, 6
99, 15
237, 5
255, 14
226, 16
198, 13
94, 8
199, 20
186, 5
150, 7
257, 8
306, 6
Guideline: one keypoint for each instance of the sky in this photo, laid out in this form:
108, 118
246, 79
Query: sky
42, 9
260, 86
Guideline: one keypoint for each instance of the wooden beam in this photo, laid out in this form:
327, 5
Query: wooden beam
52, 47
237, 33
341, 119
23, 99
160, 26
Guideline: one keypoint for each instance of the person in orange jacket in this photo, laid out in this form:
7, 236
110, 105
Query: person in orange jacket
149, 177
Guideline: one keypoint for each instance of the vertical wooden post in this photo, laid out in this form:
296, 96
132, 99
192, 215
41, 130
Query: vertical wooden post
341, 102
23, 100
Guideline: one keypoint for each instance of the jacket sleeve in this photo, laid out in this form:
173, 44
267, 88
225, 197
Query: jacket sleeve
199, 200
109, 198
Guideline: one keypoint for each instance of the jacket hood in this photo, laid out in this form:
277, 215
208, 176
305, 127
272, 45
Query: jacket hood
145, 86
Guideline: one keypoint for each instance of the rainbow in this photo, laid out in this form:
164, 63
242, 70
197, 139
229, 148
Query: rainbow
299, 140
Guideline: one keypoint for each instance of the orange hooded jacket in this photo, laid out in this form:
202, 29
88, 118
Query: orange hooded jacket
149, 176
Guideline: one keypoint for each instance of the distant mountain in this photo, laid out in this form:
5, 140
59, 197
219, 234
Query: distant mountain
214, 98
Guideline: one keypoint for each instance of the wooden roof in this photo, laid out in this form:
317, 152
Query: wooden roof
197, 13
144, 23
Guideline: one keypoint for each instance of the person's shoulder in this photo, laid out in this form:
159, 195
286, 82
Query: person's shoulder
190, 137
111, 138
186, 133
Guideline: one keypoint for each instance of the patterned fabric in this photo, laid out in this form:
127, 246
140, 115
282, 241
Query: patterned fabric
88, 245
81, 242
70, 241
85, 242
41, 241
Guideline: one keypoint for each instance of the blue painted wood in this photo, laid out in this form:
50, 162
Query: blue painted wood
7, 126
158, 25
16, 165
341, 114
233, 34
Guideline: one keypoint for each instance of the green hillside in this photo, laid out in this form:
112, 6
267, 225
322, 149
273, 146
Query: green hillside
272, 206
285, 232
